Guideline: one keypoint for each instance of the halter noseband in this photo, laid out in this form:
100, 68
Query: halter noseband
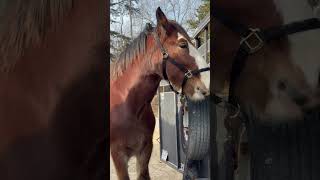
188, 74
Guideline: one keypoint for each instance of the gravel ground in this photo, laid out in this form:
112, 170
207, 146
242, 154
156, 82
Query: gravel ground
158, 169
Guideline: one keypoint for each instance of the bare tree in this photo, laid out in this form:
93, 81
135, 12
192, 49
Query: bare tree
131, 16
178, 10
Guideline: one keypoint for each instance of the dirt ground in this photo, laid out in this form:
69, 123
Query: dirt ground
158, 169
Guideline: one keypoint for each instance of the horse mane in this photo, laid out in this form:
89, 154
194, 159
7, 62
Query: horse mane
24, 23
135, 48
129, 55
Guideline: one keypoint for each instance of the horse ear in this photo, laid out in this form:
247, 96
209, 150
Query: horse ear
161, 18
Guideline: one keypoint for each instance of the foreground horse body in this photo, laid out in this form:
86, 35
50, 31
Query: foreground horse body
281, 81
134, 81
52, 88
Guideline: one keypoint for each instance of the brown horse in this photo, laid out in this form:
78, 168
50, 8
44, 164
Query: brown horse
280, 81
163, 52
52, 89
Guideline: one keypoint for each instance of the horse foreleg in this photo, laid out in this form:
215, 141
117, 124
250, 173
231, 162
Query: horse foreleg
120, 160
143, 158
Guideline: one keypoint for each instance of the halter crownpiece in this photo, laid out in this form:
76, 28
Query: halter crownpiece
188, 74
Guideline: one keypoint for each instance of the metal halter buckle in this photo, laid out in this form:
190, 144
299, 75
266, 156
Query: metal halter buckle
253, 36
182, 99
188, 74
165, 55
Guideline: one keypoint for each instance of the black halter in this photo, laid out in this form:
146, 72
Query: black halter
252, 40
188, 74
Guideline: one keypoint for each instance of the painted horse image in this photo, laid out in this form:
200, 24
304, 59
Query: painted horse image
52, 89
162, 52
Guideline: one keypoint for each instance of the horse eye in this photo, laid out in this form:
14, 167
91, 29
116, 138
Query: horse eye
183, 45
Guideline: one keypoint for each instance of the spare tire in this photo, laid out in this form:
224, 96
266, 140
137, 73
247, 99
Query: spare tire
194, 128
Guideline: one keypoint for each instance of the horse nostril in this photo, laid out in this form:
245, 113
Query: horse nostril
302, 100
205, 93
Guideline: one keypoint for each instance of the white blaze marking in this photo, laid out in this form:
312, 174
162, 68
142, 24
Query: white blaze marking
180, 36
200, 61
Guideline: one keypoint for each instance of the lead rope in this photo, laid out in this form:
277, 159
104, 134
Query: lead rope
187, 163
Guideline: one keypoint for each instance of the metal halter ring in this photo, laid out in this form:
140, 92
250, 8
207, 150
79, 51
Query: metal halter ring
188, 74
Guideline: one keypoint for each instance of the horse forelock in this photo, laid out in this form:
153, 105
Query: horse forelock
25, 23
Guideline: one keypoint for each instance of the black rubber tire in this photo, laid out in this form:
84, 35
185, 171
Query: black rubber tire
198, 143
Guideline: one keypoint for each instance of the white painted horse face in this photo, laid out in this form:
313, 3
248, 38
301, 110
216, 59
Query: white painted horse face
295, 87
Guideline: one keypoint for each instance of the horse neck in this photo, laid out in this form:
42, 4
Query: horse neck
138, 84
65, 55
